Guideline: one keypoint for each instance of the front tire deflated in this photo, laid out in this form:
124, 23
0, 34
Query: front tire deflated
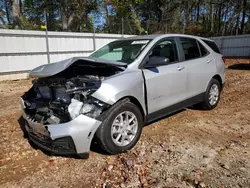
121, 127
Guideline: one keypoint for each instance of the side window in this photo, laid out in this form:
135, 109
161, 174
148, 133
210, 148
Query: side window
190, 48
166, 48
212, 45
203, 50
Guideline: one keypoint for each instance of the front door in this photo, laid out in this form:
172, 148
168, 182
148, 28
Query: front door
165, 85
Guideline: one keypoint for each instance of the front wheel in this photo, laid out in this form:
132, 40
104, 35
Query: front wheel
212, 95
121, 127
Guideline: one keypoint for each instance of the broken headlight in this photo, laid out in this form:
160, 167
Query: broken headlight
91, 107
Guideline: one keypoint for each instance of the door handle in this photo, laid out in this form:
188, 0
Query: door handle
209, 61
179, 68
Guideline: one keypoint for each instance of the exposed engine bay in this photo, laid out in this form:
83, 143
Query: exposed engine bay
64, 96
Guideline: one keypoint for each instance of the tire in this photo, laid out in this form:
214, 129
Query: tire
106, 135
208, 103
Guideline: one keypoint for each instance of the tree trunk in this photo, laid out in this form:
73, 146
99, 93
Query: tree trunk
107, 17
21, 7
67, 16
7, 11
219, 19
198, 12
64, 20
225, 23
16, 14
212, 16
243, 17
237, 18
187, 13
70, 21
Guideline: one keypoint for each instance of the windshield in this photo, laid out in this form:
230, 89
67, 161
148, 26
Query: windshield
122, 50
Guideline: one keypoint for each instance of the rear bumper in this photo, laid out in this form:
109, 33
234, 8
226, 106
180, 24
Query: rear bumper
73, 137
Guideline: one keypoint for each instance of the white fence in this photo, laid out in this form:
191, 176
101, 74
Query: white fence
234, 46
21, 51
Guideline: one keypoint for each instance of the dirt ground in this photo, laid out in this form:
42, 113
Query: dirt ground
189, 149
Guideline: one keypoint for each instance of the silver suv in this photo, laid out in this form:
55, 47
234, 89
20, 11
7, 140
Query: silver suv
111, 94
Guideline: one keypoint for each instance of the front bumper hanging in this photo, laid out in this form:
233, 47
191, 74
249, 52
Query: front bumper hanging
73, 137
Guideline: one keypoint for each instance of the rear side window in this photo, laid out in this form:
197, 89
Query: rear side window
212, 45
190, 48
203, 50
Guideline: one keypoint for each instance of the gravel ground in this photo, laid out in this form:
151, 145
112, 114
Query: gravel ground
189, 149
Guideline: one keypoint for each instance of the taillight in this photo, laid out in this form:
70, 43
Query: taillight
223, 59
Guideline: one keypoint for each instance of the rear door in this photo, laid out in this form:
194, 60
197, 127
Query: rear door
166, 85
200, 65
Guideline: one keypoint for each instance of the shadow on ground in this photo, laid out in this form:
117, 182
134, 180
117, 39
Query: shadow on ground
240, 66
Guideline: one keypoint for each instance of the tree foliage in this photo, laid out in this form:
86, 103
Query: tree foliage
198, 17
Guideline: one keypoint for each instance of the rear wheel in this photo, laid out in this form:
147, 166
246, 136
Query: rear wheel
212, 95
121, 127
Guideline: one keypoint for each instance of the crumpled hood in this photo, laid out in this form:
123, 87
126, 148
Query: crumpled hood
51, 69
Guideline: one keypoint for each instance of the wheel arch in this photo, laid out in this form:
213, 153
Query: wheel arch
134, 101
218, 77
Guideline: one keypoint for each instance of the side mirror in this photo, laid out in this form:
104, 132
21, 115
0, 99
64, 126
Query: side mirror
155, 61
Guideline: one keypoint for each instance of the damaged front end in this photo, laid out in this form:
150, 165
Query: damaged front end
60, 112
58, 100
